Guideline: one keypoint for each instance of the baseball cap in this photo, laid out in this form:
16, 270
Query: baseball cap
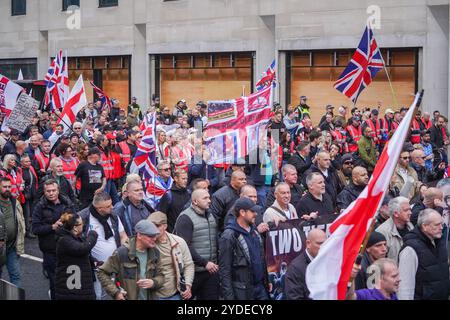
303, 98
246, 204
389, 110
147, 228
158, 218
374, 112
329, 106
134, 98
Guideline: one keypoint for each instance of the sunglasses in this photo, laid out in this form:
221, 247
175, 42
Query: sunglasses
405, 158
166, 169
348, 163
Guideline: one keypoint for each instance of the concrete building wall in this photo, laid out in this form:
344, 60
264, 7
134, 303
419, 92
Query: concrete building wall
145, 27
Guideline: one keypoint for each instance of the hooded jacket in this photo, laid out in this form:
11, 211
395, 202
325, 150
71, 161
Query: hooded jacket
242, 264
348, 195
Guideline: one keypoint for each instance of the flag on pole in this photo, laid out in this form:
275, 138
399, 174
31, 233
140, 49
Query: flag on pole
144, 164
63, 83
366, 62
76, 101
106, 102
20, 76
9, 92
328, 274
267, 78
53, 96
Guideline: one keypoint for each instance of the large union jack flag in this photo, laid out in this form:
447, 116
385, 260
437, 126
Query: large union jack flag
55, 80
364, 65
267, 78
144, 164
106, 102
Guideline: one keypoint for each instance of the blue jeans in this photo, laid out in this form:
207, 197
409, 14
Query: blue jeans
176, 296
13, 266
261, 192
111, 189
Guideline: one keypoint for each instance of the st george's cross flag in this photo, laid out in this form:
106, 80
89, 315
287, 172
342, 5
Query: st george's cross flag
9, 92
328, 274
366, 62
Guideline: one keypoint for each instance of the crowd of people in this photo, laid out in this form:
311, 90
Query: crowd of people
204, 239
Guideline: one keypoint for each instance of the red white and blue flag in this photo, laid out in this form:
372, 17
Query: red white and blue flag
366, 62
144, 164
268, 78
235, 126
106, 102
57, 80
328, 274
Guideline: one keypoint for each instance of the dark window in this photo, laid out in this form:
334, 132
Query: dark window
108, 3
68, 3
18, 7
10, 68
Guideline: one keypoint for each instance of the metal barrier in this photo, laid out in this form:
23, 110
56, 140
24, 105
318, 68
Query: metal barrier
8, 291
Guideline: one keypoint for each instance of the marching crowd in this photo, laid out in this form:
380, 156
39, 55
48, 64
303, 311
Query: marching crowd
204, 238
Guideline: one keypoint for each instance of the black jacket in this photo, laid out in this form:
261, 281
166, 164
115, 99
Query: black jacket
300, 164
432, 276
172, 204
64, 187
437, 138
295, 283
9, 148
72, 258
221, 202
361, 277
348, 195
45, 214
308, 203
332, 183
236, 268
427, 176
296, 194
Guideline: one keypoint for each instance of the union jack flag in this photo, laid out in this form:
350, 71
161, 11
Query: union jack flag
366, 62
53, 96
267, 78
106, 102
144, 164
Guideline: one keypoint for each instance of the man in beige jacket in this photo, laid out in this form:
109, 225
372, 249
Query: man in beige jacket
281, 209
405, 177
176, 262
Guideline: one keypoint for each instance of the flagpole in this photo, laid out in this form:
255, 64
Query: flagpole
372, 225
68, 125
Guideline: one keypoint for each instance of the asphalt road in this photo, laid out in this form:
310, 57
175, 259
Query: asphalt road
33, 280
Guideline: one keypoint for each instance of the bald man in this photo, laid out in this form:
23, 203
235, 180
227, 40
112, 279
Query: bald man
433, 198
199, 229
426, 176
360, 179
224, 198
295, 284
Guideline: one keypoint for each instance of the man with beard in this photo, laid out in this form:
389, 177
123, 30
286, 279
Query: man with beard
174, 200
345, 173
360, 178
367, 150
354, 131
12, 232
427, 149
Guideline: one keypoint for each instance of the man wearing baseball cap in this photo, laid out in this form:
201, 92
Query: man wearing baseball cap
241, 256
176, 262
132, 263
303, 108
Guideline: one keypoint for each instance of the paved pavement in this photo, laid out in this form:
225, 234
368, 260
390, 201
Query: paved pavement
33, 280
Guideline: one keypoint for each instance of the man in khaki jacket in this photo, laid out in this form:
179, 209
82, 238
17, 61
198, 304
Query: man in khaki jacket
136, 266
397, 226
405, 177
176, 262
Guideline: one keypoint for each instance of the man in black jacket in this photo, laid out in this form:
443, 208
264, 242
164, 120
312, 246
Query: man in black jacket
295, 283
242, 267
290, 177
301, 159
426, 176
437, 137
360, 178
316, 201
223, 199
173, 202
56, 173
46, 219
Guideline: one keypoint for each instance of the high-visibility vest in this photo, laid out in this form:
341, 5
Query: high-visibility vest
106, 163
415, 132
69, 168
340, 137
394, 126
428, 124
376, 130
126, 153
116, 163
356, 135
17, 183
43, 160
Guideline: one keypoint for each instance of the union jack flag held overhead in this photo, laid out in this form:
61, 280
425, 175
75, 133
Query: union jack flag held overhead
106, 102
366, 62
268, 78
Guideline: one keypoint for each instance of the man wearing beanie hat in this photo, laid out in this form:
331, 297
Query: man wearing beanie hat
132, 263
176, 262
376, 248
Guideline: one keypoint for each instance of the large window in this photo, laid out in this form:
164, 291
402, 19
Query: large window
207, 76
10, 68
68, 3
108, 3
313, 73
18, 7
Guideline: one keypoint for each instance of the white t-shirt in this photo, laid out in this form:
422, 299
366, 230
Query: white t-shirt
103, 248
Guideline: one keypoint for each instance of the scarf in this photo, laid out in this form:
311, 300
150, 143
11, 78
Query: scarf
103, 221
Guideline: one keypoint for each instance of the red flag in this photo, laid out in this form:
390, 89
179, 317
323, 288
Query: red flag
328, 274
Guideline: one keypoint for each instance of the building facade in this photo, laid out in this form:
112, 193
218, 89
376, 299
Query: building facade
216, 49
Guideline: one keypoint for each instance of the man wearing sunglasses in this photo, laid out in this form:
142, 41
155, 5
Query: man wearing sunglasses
405, 177
418, 163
